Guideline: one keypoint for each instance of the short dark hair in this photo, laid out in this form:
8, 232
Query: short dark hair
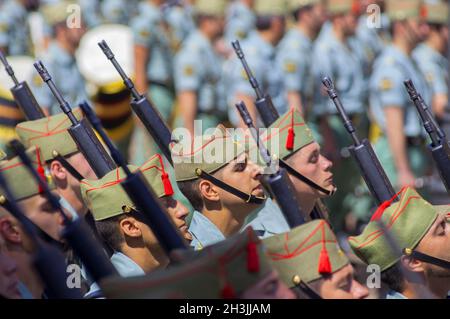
297, 12
394, 278
263, 23
191, 191
109, 230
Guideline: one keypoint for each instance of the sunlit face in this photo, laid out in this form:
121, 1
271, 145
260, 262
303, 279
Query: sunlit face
309, 162
9, 282
39, 210
270, 287
436, 243
178, 212
340, 285
244, 175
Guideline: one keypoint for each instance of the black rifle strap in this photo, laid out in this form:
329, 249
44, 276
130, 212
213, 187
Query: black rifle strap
427, 258
306, 290
306, 180
69, 167
248, 198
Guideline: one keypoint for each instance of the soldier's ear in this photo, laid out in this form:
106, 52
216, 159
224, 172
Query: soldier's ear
58, 172
412, 264
208, 191
129, 227
9, 231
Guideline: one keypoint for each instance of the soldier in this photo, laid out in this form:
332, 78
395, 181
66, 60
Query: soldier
118, 11
398, 137
310, 253
221, 183
9, 281
198, 69
294, 53
235, 268
179, 15
123, 227
63, 159
305, 159
430, 56
422, 232
260, 51
60, 60
14, 29
240, 20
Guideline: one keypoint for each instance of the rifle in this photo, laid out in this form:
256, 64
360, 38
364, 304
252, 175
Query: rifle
45, 256
263, 103
438, 147
81, 131
77, 233
143, 108
141, 194
23, 95
373, 173
278, 183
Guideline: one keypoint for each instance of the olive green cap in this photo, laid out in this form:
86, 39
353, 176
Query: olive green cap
19, 178
297, 4
211, 8
209, 153
409, 219
223, 270
436, 12
398, 10
305, 253
270, 7
287, 135
50, 135
342, 6
106, 198
58, 11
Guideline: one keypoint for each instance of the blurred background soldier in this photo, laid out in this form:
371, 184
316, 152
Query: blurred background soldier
240, 20
179, 15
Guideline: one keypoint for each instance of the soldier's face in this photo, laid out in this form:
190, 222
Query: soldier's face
244, 175
178, 212
9, 282
38, 209
319, 15
278, 27
350, 24
436, 243
270, 287
309, 162
341, 285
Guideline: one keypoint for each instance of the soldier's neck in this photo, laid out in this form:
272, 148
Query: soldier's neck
305, 29
228, 221
268, 36
26, 272
403, 45
436, 43
340, 35
422, 290
148, 259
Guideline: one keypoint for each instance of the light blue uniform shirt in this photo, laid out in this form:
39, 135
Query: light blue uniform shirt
434, 67
198, 68
90, 11
149, 32
67, 207
260, 56
14, 29
344, 65
181, 21
392, 294
118, 11
373, 39
204, 232
240, 21
391, 68
65, 74
268, 221
294, 58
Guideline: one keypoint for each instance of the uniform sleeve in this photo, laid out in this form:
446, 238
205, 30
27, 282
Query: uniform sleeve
142, 33
293, 69
187, 71
388, 86
435, 78
4, 27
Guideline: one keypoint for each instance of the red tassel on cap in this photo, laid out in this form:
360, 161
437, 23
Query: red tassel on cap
228, 292
40, 170
380, 210
324, 260
252, 258
291, 135
168, 190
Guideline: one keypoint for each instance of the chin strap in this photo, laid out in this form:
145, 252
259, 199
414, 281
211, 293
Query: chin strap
304, 288
248, 198
67, 166
306, 180
426, 258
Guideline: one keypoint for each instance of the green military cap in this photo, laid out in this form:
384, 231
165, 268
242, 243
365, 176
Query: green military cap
305, 253
58, 11
287, 135
436, 12
106, 198
409, 220
49, 134
223, 270
209, 153
297, 4
211, 8
403, 9
19, 178
342, 6
270, 7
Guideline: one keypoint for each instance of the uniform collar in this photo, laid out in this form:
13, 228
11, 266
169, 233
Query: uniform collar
266, 48
126, 266
62, 56
205, 233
